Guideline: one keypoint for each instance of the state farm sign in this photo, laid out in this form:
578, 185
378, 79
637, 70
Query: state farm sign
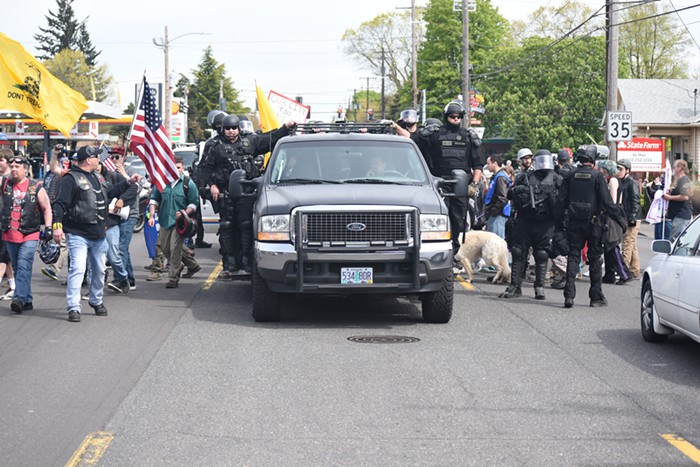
646, 154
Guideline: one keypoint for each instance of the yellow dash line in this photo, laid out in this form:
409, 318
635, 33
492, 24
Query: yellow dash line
464, 283
213, 276
683, 446
92, 449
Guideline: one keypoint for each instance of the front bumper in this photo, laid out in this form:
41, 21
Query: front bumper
395, 270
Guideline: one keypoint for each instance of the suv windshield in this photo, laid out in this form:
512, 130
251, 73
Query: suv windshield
347, 162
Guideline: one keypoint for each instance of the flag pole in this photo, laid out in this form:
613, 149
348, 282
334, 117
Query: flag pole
136, 106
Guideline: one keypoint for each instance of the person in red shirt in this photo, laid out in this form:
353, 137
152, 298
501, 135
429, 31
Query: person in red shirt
25, 205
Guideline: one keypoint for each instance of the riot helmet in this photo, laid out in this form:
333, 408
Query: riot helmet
217, 120
231, 121
245, 125
454, 107
602, 152
586, 153
210, 117
524, 152
409, 116
543, 160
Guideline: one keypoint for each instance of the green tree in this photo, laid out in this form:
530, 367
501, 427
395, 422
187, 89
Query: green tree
570, 17
440, 56
546, 97
65, 32
654, 47
71, 67
389, 36
203, 95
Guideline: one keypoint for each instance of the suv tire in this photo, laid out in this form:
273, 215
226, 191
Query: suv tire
437, 306
266, 304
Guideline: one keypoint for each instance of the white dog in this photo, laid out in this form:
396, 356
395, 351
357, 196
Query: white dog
488, 246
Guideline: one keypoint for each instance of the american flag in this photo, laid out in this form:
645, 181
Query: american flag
106, 159
149, 141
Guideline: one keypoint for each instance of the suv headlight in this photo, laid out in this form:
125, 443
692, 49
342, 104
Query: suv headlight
434, 227
274, 228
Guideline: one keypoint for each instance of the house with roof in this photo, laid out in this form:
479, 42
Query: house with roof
665, 109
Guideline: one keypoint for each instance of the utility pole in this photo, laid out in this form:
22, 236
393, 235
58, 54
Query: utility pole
612, 43
383, 72
465, 63
414, 54
167, 111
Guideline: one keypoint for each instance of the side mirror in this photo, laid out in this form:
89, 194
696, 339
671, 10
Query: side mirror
461, 183
235, 184
661, 246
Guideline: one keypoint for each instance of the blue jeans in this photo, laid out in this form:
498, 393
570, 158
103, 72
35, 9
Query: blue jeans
22, 258
81, 251
113, 255
677, 226
662, 230
126, 231
497, 225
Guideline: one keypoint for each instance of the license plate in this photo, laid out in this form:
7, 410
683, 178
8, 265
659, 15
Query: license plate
356, 275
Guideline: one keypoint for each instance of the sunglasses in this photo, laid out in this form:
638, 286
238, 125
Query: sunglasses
230, 128
456, 117
115, 158
16, 160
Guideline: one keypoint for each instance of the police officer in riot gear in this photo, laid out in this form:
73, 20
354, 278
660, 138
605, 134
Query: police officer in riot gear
585, 198
535, 196
245, 125
237, 151
449, 147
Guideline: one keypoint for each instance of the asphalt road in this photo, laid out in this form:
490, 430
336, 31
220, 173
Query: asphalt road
186, 377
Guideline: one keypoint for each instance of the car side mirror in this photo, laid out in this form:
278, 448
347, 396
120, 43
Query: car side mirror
661, 246
461, 183
235, 184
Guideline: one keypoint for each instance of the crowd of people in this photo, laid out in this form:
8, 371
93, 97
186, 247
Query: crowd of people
548, 209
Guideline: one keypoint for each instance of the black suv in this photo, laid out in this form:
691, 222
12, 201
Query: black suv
350, 213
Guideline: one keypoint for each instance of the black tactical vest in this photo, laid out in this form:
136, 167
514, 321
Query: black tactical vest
454, 151
583, 194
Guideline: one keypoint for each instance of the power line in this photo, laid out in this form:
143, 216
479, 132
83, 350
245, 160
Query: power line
686, 26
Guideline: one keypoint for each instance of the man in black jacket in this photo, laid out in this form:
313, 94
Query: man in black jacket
629, 191
80, 211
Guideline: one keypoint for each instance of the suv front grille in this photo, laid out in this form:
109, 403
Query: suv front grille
349, 228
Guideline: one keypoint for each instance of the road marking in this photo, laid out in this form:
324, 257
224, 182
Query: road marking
92, 449
683, 446
463, 282
213, 276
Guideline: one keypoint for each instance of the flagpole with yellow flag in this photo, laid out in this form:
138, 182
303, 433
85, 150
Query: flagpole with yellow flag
268, 117
26, 86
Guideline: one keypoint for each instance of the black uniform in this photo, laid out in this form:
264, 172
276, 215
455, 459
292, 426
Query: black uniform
236, 217
586, 200
451, 147
535, 196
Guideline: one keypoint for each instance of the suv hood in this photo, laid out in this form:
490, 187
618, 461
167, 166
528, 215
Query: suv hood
282, 199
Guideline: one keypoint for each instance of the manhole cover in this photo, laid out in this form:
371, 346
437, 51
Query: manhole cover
383, 339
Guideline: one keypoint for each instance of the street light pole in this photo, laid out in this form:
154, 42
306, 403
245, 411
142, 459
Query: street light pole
167, 105
465, 63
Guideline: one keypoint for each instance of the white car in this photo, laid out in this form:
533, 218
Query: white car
670, 291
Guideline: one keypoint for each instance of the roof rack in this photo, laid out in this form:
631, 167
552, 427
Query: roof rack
380, 127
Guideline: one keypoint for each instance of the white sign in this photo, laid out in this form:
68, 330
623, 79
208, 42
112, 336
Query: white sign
619, 126
645, 154
287, 108
457, 6
19, 126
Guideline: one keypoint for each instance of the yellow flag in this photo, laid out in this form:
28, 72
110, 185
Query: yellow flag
268, 117
27, 86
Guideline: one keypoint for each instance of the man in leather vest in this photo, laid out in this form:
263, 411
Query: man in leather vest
25, 206
535, 196
237, 151
585, 197
451, 146
80, 211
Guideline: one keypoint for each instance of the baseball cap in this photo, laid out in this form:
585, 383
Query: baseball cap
85, 153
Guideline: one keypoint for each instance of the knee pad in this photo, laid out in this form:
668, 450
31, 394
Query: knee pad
518, 252
541, 256
226, 225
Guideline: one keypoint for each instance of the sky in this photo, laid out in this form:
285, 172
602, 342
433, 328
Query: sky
290, 47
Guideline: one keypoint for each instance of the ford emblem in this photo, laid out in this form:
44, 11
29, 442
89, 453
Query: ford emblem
356, 227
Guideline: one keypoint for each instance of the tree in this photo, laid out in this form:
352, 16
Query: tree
558, 20
203, 94
440, 56
388, 36
65, 32
546, 97
653, 46
71, 67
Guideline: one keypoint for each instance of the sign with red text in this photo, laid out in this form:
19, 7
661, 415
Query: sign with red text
287, 108
645, 154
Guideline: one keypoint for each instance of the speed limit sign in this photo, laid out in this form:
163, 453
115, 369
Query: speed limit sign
619, 126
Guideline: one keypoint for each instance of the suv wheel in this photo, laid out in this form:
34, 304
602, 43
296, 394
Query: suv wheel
647, 315
266, 304
437, 306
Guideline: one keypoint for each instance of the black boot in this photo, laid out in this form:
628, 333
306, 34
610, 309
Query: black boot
512, 291
539, 293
